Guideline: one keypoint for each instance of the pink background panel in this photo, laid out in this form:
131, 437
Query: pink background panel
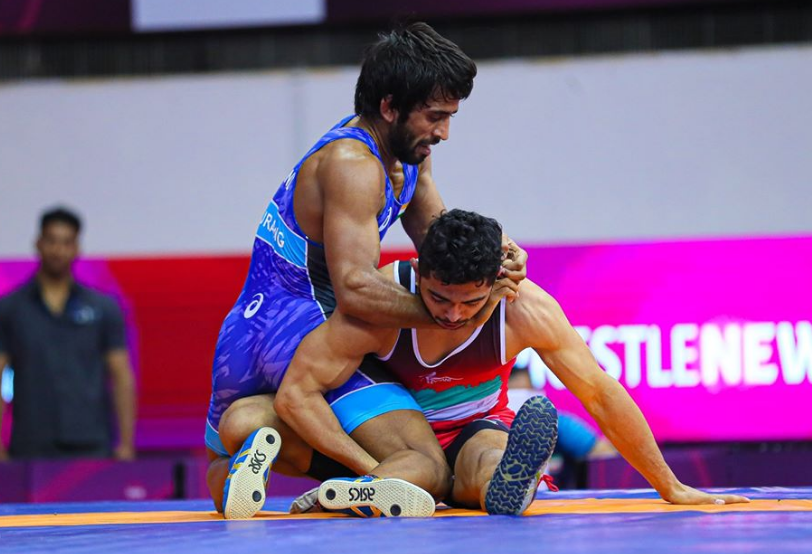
699, 282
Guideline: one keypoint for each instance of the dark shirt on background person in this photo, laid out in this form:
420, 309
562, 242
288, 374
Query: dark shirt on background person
64, 341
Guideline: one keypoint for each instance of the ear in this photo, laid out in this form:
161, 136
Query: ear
388, 113
414, 263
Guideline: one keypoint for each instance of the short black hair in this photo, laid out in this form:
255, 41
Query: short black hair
60, 215
462, 247
412, 63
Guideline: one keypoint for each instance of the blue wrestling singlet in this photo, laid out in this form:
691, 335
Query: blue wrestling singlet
287, 294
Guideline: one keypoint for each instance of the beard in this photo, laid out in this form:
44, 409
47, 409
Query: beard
403, 145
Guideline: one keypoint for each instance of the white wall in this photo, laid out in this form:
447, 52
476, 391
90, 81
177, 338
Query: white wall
607, 148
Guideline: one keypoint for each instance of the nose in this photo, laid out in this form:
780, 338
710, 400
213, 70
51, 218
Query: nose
442, 129
454, 314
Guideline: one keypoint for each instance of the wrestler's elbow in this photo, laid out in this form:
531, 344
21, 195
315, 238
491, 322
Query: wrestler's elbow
288, 401
282, 404
352, 293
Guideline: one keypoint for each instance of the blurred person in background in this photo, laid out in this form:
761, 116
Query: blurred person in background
64, 341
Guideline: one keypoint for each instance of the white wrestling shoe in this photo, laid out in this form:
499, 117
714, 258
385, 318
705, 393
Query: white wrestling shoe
375, 497
244, 492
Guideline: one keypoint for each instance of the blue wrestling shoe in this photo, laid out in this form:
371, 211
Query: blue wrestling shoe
374, 497
530, 444
244, 493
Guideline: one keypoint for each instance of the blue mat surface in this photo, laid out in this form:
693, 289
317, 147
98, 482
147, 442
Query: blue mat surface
658, 533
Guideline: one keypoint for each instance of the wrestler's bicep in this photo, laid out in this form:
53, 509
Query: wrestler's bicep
352, 200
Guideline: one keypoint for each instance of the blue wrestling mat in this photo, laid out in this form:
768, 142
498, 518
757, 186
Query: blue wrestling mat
779, 520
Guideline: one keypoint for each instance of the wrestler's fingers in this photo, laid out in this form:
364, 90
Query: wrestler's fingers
516, 276
506, 288
729, 499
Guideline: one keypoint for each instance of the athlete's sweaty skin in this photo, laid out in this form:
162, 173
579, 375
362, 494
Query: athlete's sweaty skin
534, 320
343, 216
318, 247
338, 197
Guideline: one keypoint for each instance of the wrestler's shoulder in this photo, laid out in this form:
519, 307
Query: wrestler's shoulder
534, 310
347, 150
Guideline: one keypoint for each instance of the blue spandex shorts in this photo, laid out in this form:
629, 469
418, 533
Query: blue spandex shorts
256, 344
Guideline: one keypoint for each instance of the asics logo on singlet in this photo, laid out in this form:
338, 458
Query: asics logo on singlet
432, 378
256, 462
253, 307
386, 221
290, 179
361, 495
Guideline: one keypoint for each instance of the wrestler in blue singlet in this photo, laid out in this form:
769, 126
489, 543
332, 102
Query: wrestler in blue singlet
288, 294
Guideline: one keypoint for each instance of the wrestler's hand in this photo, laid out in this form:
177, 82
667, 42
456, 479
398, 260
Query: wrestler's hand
503, 287
514, 261
684, 494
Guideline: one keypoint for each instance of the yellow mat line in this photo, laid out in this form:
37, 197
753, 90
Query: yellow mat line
649, 505
538, 508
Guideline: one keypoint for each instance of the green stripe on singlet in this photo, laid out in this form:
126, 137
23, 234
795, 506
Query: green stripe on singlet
437, 400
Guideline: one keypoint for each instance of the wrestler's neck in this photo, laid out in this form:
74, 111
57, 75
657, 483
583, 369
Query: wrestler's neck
436, 344
446, 337
378, 129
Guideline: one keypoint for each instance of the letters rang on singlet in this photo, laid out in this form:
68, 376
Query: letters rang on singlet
273, 230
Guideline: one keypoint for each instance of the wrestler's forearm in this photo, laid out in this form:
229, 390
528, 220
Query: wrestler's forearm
378, 300
624, 425
313, 420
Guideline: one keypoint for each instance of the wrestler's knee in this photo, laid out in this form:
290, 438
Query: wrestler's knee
243, 417
420, 437
419, 440
426, 471
441, 475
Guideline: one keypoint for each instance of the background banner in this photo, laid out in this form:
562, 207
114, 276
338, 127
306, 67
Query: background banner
712, 338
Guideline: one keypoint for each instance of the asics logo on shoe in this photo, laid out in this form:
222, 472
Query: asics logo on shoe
361, 495
256, 462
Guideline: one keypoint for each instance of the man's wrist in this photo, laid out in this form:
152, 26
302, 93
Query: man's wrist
670, 490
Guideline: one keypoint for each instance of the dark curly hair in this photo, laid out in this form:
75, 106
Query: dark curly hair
462, 247
412, 63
